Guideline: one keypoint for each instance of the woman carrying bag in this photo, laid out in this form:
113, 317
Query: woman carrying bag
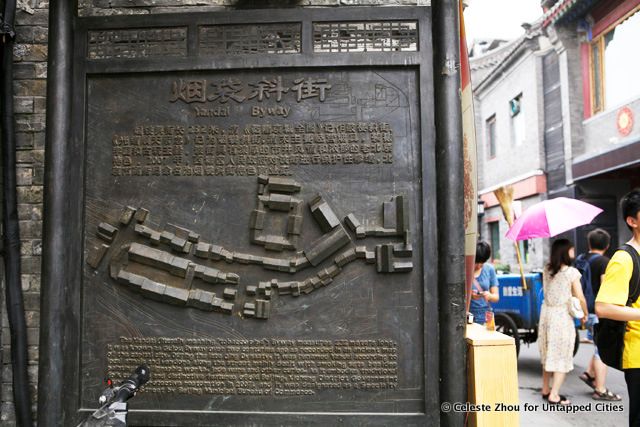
556, 330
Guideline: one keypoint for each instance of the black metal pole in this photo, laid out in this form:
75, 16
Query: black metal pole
11, 237
449, 155
51, 388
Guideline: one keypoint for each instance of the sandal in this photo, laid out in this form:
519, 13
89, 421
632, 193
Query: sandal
546, 396
588, 380
563, 401
606, 395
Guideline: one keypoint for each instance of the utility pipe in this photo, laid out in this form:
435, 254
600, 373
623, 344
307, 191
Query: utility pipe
450, 199
11, 236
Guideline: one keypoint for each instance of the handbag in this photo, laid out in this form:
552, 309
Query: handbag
575, 309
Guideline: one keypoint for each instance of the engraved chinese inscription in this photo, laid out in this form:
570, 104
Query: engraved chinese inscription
255, 149
267, 366
232, 89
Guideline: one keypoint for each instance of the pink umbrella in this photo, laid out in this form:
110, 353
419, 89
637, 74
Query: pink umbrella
551, 217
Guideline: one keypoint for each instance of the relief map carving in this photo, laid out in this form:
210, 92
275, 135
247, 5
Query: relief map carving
142, 254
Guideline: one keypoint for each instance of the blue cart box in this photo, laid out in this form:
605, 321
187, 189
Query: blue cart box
518, 312
523, 305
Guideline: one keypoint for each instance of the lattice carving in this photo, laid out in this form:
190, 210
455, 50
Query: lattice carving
389, 36
249, 39
138, 43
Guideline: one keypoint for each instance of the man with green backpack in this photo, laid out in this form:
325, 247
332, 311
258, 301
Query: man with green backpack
617, 335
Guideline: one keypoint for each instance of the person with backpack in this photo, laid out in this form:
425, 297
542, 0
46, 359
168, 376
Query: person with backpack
592, 266
618, 308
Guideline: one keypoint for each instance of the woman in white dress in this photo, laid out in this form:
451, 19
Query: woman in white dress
556, 330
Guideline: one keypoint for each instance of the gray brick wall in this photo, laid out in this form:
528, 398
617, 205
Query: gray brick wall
30, 72
510, 160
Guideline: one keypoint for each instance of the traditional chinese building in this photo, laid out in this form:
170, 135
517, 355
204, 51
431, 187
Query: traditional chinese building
600, 139
566, 123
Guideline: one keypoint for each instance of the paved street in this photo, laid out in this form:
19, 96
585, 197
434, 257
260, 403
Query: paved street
530, 383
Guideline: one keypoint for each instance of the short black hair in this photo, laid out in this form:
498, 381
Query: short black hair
599, 239
483, 252
630, 205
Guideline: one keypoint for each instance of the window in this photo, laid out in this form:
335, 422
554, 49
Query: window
494, 232
491, 135
615, 65
517, 121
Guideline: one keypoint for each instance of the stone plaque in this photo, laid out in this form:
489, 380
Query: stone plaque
255, 231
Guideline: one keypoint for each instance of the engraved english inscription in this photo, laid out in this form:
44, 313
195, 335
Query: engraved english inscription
267, 366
